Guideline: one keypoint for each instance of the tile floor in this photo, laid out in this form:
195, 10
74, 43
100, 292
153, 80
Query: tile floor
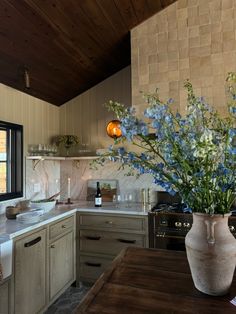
69, 300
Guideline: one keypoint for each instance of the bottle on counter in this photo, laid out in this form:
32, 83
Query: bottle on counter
98, 196
149, 205
143, 198
146, 199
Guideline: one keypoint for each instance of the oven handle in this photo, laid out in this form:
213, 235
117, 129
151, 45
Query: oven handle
169, 236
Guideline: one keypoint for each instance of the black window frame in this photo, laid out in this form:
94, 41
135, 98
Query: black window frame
14, 160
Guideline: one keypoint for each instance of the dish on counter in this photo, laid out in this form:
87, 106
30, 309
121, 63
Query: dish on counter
30, 217
42, 204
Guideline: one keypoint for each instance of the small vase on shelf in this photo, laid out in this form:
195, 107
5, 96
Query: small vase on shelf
67, 142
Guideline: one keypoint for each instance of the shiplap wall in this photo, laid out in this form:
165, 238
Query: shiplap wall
39, 118
41, 122
86, 116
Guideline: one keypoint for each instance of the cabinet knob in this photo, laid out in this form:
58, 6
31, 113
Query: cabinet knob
53, 246
63, 226
109, 222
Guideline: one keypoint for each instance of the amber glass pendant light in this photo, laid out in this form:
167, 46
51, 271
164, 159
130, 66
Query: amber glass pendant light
113, 129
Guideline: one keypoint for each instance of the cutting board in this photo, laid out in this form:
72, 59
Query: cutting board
108, 189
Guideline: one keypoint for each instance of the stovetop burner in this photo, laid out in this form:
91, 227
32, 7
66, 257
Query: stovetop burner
169, 208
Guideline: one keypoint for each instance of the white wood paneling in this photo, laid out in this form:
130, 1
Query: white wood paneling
39, 118
86, 116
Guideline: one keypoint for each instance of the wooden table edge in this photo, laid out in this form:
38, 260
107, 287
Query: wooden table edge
91, 294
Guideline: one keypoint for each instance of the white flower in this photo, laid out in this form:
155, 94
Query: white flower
206, 137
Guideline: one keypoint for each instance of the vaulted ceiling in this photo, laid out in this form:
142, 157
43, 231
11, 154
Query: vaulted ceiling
67, 46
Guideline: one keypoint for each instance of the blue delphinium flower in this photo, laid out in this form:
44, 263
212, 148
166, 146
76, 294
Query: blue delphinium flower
233, 109
193, 154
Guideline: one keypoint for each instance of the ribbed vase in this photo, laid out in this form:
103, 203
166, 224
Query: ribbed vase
211, 253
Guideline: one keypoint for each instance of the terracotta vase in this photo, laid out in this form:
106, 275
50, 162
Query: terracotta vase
211, 253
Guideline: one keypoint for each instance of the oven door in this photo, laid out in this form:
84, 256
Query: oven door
169, 242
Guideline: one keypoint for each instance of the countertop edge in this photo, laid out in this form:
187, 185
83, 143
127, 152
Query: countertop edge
4, 235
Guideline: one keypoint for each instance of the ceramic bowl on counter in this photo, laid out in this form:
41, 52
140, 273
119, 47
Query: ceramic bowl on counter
45, 205
12, 212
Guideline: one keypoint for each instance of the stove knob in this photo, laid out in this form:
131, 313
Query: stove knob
178, 224
231, 228
186, 224
163, 222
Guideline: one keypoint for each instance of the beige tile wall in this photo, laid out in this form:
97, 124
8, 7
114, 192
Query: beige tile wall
193, 39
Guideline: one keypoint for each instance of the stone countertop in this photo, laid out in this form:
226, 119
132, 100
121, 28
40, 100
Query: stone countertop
12, 228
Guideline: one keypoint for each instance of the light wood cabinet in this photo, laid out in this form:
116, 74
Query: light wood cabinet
91, 267
61, 227
4, 298
30, 273
111, 222
101, 237
44, 266
61, 256
109, 243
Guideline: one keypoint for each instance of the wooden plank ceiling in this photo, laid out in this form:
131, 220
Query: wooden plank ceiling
67, 46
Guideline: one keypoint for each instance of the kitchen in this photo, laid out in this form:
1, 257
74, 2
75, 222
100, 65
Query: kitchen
187, 39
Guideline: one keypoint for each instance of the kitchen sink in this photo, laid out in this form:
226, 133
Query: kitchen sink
6, 251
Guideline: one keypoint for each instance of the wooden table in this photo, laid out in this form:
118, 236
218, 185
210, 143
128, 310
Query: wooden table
151, 281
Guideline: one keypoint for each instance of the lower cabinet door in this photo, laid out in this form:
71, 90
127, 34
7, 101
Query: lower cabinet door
4, 298
61, 256
30, 273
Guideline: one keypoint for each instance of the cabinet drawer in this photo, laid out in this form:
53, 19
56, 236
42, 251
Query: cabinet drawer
92, 267
114, 222
110, 243
61, 227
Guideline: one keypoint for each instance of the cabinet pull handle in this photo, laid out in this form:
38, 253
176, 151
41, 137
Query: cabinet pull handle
33, 242
109, 222
53, 246
126, 241
93, 264
63, 226
93, 238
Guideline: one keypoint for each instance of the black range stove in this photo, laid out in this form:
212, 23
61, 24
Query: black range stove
169, 223
175, 207
168, 226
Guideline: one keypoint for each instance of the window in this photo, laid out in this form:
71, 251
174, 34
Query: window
11, 160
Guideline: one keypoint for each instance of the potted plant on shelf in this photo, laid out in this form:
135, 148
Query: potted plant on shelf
67, 141
195, 155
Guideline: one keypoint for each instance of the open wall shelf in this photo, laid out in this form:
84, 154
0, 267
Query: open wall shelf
61, 158
37, 159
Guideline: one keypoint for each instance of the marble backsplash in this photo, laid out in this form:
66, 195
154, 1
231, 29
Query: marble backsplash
80, 172
50, 177
44, 180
